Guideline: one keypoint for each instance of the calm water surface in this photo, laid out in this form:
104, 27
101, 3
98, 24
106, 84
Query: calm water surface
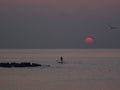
84, 69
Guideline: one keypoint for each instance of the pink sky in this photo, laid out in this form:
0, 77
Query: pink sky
80, 17
71, 7
62, 4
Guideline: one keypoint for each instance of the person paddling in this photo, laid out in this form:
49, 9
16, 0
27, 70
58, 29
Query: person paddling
61, 60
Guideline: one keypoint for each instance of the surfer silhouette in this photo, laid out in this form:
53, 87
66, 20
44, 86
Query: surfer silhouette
61, 59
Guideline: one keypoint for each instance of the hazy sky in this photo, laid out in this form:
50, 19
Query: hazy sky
59, 23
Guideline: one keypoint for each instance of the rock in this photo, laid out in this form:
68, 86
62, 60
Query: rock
22, 64
5, 65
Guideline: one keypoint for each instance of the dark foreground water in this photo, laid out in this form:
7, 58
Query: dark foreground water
84, 69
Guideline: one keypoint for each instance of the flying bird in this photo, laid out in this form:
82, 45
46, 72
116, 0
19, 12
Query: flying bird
112, 27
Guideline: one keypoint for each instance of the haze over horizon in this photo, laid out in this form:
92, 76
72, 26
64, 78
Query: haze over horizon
59, 23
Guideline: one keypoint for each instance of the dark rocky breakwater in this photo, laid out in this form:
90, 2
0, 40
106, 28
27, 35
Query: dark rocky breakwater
22, 64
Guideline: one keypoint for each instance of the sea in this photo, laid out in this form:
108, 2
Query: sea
83, 69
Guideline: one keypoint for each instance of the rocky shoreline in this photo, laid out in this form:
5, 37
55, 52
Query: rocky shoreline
22, 64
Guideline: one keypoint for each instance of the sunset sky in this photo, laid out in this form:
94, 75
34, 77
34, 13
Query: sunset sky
59, 23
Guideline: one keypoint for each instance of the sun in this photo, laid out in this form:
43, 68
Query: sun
89, 40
